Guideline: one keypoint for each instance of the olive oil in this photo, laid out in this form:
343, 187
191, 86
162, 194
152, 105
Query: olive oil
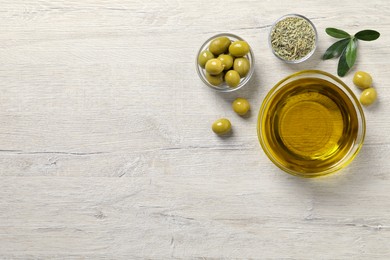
310, 125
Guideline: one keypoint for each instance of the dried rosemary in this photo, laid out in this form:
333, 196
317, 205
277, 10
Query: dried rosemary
293, 38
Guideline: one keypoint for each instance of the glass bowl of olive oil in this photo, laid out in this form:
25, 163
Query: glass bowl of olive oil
311, 124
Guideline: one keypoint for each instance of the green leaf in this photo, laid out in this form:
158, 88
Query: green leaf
351, 52
367, 35
335, 49
337, 33
343, 67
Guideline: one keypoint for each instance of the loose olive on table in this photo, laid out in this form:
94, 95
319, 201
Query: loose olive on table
241, 106
221, 126
362, 79
368, 96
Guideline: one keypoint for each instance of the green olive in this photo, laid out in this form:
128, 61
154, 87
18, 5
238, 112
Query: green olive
204, 56
214, 66
242, 66
227, 61
215, 80
221, 126
219, 45
362, 79
241, 106
368, 96
232, 78
239, 48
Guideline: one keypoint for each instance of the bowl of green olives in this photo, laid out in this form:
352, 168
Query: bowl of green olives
225, 62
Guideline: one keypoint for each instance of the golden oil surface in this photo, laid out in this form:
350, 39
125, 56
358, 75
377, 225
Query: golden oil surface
310, 125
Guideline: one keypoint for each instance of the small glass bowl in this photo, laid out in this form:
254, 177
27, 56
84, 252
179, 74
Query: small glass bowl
309, 54
277, 149
224, 87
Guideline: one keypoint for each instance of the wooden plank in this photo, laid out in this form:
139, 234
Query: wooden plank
106, 150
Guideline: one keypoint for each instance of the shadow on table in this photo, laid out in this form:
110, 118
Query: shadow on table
251, 91
353, 180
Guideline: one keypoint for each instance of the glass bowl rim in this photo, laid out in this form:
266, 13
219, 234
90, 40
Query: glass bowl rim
355, 148
309, 54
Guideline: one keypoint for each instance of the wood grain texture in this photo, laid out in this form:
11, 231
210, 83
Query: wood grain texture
105, 143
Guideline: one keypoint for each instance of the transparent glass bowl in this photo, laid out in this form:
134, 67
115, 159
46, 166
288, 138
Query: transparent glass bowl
309, 54
224, 87
269, 123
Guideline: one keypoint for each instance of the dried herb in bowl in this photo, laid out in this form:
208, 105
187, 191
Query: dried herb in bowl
293, 38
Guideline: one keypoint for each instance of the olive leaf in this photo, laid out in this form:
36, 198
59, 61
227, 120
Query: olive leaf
337, 33
367, 35
343, 67
346, 47
351, 51
335, 49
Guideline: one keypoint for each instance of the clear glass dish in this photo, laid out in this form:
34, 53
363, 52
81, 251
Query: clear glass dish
224, 87
311, 137
309, 54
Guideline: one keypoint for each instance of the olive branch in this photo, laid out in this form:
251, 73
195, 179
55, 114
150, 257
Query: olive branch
346, 48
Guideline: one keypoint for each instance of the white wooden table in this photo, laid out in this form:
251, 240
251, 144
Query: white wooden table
106, 150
